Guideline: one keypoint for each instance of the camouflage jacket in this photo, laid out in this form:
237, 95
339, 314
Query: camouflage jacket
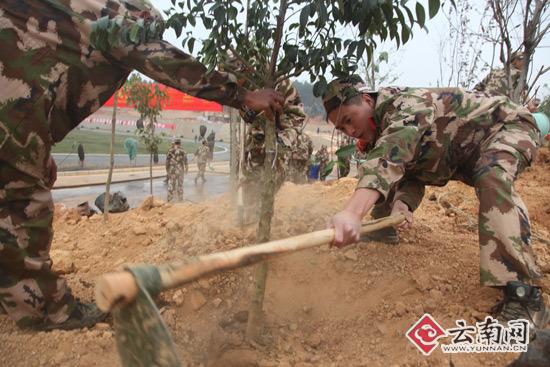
202, 154
430, 136
303, 148
53, 75
176, 161
292, 118
496, 82
322, 156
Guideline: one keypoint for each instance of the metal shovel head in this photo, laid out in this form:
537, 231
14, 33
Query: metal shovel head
142, 338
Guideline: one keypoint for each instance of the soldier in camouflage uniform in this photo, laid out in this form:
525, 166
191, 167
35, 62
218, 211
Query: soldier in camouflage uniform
254, 151
300, 161
55, 70
176, 166
497, 82
322, 157
202, 154
419, 137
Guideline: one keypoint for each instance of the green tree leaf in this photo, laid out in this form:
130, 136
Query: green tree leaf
433, 7
420, 15
346, 151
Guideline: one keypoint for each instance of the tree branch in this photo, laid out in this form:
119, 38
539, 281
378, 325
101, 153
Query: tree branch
542, 71
278, 37
248, 66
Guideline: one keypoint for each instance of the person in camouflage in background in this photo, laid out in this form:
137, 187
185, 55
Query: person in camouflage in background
55, 70
254, 151
322, 157
419, 137
176, 166
496, 81
300, 161
202, 154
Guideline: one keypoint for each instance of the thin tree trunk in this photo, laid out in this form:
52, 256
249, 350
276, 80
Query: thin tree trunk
233, 156
240, 191
111, 163
242, 135
151, 158
151, 173
255, 314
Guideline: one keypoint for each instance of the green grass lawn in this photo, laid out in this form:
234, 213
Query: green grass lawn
100, 141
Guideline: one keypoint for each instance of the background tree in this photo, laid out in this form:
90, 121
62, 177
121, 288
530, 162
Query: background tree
460, 47
111, 161
507, 26
147, 99
520, 25
313, 106
279, 40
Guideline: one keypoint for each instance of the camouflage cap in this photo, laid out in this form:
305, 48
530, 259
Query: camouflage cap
177, 141
341, 90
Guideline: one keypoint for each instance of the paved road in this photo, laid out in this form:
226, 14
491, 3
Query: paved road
67, 162
137, 191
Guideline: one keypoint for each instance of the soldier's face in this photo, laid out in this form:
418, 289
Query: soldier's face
353, 119
518, 63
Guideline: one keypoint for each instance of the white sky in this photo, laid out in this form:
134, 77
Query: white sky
417, 62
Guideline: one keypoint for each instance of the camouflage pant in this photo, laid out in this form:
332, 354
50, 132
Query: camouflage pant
202, 168
503, 220
504, 227
29, 290
175, 186
322, 171
299, 172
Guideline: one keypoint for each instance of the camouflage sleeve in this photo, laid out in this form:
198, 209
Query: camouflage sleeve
411, 192
294, 114
168, 160
482, 85
398, 144
168, 65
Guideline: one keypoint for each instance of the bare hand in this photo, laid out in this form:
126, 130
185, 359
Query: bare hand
347, 227
264, 100
400, 207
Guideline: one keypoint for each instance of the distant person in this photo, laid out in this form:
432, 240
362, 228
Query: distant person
80, 151
318, 131
131, 147
176, 166
300, 159
322, 157
139, 124
211, 140
55, 70
202, 158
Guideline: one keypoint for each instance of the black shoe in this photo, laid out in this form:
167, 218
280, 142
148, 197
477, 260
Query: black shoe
523, 301
385, 235
83, 315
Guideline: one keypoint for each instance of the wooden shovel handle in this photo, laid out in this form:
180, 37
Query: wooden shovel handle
120, 288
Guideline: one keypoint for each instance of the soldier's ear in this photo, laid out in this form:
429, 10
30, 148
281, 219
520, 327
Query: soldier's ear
368, 99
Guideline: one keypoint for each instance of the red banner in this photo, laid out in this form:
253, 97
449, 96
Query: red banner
176, 101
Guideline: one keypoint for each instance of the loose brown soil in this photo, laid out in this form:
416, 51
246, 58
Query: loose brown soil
323, 307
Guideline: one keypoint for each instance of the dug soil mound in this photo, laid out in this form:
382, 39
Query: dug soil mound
323, 307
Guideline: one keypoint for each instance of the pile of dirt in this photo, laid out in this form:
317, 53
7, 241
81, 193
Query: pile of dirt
323, 307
